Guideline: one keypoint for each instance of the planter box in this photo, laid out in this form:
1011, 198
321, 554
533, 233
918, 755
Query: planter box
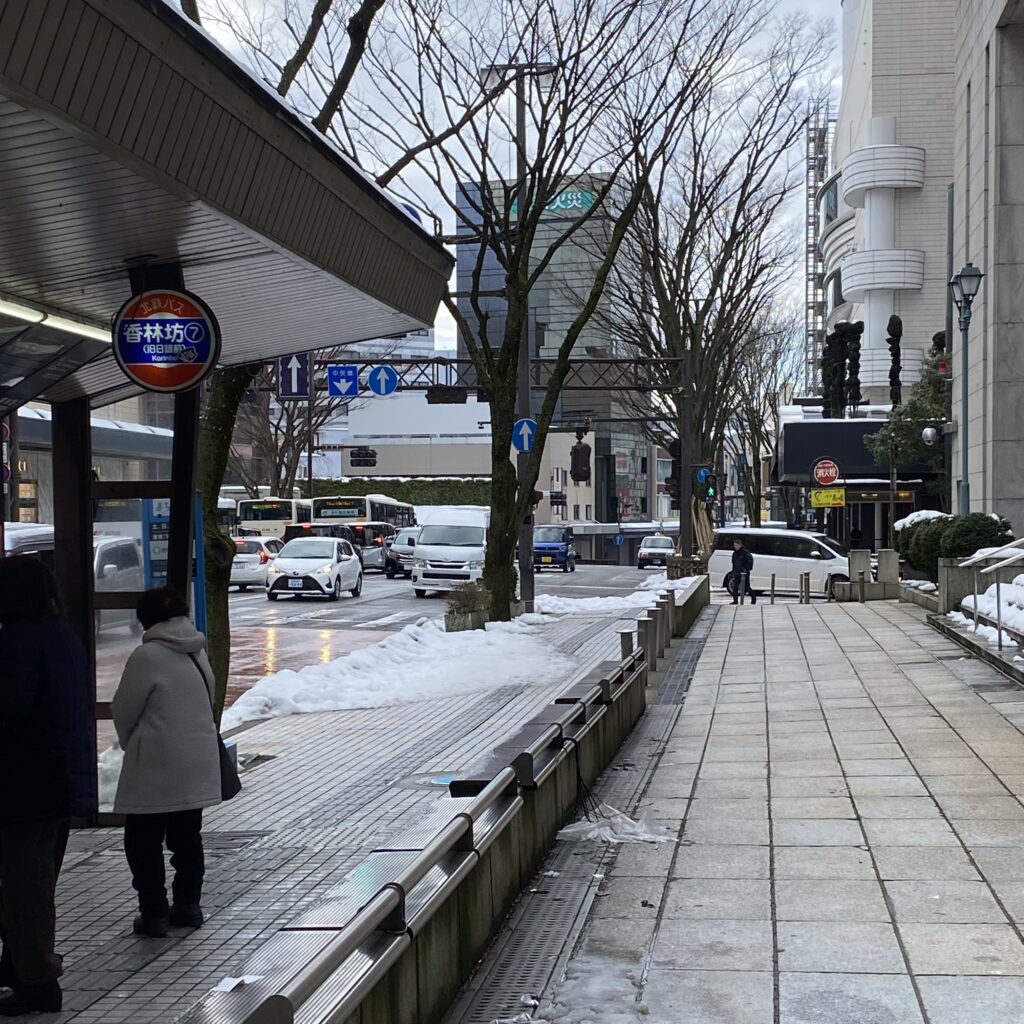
455, 622
516, 608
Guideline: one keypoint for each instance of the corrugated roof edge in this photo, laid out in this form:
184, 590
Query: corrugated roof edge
172, 15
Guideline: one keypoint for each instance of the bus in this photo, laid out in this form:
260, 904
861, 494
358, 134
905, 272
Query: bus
369, 508
267, 517
227, 515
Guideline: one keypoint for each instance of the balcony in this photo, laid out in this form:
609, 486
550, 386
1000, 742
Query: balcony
837, 241
895, 269
881, 167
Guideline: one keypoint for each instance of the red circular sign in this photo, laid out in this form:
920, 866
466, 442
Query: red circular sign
825, 472
166, 340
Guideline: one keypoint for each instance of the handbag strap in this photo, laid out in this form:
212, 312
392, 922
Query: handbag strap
206, 686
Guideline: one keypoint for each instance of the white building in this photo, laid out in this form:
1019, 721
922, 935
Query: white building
882, 211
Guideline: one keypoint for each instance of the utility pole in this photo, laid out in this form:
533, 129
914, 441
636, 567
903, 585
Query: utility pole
685, 411
309, 438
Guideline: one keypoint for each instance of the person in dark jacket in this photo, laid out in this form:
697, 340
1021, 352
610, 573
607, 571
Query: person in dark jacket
742, 566
48, 768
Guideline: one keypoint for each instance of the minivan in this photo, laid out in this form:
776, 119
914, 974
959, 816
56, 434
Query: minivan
786, 553
450, 551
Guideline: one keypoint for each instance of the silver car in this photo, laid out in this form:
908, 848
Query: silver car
253, 555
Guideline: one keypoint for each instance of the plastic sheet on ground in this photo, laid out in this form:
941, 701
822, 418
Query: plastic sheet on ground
614, 827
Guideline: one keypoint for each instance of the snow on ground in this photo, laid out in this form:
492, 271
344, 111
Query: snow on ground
595, 990
925, 586
922, 515
422, 662
660, 581
552, 604
987, 633
1011, 601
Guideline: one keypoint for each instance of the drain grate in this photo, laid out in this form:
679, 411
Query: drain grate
677, 680
220, 844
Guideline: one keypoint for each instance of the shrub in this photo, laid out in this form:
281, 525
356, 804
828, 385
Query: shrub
966, 534
926, 546
470, 597
905, 537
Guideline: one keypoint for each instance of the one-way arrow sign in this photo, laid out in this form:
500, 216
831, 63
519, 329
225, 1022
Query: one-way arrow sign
293, 376
523, 433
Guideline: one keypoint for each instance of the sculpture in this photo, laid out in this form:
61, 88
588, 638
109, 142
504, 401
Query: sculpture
853, 333
895, 330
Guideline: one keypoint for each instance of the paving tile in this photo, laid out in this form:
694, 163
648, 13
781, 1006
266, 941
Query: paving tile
873, 766
754, 789
811, 807
712, 861
908, 832
724, 899
710, 997
829, 900
817, 832
627, 941
629, 897
847, 999
973, 1000
896, 807
965, 785
943, 902
817, 768
1011, 895
724, 808
714, 945
923, 863
968, 949
887, 785
998, 862
824, 862
644, 860
839, 947
809, 786
734, 770
739, 831
978, 807
991, 833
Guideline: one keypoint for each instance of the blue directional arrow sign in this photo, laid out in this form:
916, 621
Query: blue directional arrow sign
383, 380
293, 376
343, 380
523, 433
618, 539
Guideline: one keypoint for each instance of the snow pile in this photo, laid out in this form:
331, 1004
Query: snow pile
921, 516
109, 770
987, 633
925, 586
660, 581
1011, 610
595, 990
615, 827
551, 604
422, 662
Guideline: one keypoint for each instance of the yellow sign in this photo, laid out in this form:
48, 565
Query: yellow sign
828, 497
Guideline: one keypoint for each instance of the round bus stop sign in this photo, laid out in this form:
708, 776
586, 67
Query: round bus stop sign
825, 472
166, 340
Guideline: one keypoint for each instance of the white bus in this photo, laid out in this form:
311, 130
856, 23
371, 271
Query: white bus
267, 517
370, 508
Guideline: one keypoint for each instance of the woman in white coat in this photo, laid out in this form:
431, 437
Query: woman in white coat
163, 713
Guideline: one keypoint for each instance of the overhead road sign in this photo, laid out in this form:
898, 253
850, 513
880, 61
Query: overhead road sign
343, 380
293, 376
523, 433
383, 380
166, 340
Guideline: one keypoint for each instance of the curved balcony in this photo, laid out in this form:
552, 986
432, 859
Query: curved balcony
895, 269
881, 167
837, 241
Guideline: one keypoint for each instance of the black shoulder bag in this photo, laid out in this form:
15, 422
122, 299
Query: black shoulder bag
230, 784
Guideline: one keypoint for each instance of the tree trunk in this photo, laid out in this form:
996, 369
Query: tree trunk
703, 528
227, 387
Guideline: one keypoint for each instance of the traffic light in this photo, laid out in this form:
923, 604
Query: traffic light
702, 480
712, 489
579, 462
672, 482
362, 457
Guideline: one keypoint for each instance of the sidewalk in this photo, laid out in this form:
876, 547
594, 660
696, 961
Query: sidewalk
325, 789
843, 788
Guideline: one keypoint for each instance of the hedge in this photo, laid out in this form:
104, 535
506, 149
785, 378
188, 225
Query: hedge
956, 537
419, 491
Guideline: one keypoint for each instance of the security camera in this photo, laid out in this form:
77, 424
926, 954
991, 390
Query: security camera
930, 436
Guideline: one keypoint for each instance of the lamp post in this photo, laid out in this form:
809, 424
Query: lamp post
964, 288
491, 76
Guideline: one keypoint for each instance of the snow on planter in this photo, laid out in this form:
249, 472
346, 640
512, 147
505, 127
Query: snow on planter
552, 604
921, 516
987, 633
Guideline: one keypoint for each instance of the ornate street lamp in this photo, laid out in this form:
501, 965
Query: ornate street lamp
964, 287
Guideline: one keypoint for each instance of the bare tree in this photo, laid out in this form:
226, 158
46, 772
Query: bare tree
712, 247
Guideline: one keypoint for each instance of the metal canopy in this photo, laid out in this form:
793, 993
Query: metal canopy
127, 136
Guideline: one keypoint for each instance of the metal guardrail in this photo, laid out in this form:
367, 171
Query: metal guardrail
973, 562
384, 915
975, 559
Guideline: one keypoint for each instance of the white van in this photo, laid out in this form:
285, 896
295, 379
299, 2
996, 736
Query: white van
787, 553
450, 551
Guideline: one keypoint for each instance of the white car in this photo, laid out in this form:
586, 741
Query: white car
253, 556
654, 551
449, 554
401, 553
315, 567
786, 553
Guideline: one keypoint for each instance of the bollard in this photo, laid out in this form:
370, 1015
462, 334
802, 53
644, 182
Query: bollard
667, 603
806, 577
626, 643
800, 598
860, 587
999, 614
645, 635
662, 628
975, 599
773, 589
739, 586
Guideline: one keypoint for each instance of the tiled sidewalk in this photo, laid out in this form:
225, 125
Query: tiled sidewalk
846, 790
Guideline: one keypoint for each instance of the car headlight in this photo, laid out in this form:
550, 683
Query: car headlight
474, 565
420, 563
325, 570
272, 570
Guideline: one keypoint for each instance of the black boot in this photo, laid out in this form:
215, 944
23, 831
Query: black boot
8, 976
44, 998
153, 927
186, 915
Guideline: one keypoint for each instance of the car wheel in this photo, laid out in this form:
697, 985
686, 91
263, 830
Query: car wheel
830, 587
358, 588
728, 585
420, 593
390, 573
565, 566
335, 594
243, 587
573, 568
271, 596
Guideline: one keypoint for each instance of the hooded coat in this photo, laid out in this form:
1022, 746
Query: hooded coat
165, 725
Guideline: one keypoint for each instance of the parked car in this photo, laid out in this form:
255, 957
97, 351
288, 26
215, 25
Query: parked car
373, 538
117, 565
399, 554
35, 539
786, 553
552, 548
654, 551
315, 567
252, 557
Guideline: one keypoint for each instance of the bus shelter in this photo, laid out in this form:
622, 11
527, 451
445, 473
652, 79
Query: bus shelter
136, 154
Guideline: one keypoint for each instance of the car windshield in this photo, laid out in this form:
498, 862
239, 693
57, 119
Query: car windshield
549, 535
406, 535
836, 545
657, 542
452, 536
308, 547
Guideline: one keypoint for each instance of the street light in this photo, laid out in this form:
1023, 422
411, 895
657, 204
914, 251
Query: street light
493, 76
964, 287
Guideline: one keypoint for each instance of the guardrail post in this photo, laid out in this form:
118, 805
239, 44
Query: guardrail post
999, 613
861, 594
645, 634
626, 643
975, 599
773, 589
